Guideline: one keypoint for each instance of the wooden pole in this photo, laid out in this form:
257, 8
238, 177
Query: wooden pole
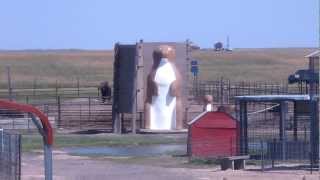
89, 99
9, 83
57, 88
34, 86
134, 108
78, 86
59, 111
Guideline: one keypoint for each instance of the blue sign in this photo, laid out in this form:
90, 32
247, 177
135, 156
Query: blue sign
194, 63
194, 67
194, 70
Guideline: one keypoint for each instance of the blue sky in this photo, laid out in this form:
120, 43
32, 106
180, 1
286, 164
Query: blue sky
98, 24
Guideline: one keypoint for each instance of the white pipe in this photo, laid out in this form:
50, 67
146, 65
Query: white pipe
264, 109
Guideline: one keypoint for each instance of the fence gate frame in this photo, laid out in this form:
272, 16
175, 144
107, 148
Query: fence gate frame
44, 128
282, 100
10, 147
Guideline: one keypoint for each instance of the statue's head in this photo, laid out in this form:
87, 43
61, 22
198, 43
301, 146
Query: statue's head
163, 51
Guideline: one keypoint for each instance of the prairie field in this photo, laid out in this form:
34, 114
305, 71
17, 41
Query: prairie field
48, 69
63, 68
271, 65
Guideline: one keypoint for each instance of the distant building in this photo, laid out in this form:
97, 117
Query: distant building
194, 46
218, 46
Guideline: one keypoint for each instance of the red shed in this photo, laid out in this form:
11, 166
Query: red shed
213, 134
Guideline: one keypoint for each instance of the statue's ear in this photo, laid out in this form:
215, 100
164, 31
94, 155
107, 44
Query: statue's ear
152, 87
152, 75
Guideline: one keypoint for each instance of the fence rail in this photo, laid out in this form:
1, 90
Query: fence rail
63, 112
71, 107
224, 91
46, 93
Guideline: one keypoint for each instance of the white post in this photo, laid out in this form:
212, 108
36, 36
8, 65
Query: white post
46, 148
47, 161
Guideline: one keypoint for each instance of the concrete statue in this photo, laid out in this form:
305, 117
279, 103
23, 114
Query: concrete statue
163, 102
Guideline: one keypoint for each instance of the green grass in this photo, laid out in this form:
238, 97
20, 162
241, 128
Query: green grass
34, 142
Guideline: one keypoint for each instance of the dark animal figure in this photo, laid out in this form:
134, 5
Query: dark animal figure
105, 91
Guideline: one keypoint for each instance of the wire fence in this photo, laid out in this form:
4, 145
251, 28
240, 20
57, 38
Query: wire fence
63, 112
279, 144
223, 91
286, 155
48, 93
81, 107
10, 156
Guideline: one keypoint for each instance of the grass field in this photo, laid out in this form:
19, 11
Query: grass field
49, 68
252, 64
32, 141
46, 69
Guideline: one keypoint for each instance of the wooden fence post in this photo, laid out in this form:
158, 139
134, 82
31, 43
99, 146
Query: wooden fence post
9, 83
229, 91
34, 86
78, 86
59, 111
221, 90
89, 108
57, 88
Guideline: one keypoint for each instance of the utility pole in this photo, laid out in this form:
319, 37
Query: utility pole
228, 43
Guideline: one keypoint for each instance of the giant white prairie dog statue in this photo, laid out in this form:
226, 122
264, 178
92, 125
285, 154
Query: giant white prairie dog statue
163, 109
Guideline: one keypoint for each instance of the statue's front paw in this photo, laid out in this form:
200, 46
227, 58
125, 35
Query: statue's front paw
173, 89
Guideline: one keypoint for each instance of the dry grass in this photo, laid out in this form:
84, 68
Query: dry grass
251, 64
47, 68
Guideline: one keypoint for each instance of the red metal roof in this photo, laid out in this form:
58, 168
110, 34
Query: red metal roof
214, 120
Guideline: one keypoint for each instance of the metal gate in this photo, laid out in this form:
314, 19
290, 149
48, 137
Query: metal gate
10, 155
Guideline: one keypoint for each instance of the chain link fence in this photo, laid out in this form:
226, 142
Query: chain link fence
10, 156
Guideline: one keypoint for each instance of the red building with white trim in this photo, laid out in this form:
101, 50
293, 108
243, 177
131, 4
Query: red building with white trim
213, 134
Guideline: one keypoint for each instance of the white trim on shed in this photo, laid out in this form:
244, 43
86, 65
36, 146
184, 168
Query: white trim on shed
197, 117
314, 54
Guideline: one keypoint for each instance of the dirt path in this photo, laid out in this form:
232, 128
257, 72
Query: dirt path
68, 167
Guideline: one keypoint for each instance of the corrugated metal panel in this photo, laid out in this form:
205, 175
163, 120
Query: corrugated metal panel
125, 69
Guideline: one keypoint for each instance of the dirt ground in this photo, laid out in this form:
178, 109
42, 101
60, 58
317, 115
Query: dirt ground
67, 167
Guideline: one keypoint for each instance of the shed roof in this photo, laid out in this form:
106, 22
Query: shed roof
274, 98
314, 54
214, 120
